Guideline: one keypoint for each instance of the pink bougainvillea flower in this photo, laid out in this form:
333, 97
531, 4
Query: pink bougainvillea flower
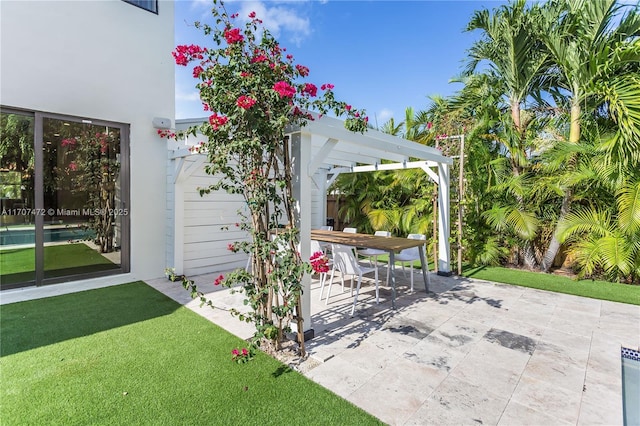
197, 71
252, 15
218, 280
319, 262
347, 107
235, 352
180, 59
71, 142
303, 71
259, 58
284, 89
245, 74
245, 102
245, 352
310, 89
231, 247
73, 166
327, 86
429, 125
217, 120
232, 35
183, 53
166, 134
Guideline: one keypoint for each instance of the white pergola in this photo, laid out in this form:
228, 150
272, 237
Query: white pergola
323, 149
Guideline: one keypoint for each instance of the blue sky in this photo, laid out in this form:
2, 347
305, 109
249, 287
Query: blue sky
381, 55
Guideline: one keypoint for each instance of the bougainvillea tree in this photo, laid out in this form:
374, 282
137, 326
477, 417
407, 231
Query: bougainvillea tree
92, 171
253, 90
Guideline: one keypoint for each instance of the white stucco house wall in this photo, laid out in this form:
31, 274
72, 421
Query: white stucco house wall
101, 60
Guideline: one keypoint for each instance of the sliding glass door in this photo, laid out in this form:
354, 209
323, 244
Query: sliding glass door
69, 217
17, 192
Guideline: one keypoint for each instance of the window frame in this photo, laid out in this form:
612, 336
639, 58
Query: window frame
138, 4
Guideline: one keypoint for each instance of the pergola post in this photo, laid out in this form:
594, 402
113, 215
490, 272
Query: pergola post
301, 155
178, 227
444, 221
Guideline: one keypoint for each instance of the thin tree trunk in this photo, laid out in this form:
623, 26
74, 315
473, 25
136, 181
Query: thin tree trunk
435, 223
528, 252
554, 244
565, 208
529, 255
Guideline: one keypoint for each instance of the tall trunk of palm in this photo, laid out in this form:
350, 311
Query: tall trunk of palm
528, 252
554, 245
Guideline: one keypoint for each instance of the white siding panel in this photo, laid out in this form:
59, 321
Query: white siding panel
205, 217
210, 233
192, 194
210, 248
191, 270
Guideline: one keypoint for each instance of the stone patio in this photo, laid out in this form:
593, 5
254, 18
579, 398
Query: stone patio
469, 352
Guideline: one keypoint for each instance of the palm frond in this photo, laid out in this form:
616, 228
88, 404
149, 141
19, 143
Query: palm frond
629, 207
616, 254
587, 221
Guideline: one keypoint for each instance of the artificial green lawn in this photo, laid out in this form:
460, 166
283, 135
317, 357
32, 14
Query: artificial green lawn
18, 265
603, 290
594, 289
130, 355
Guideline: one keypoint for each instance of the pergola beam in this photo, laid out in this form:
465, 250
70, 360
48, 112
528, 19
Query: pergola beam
322, 155
395, 166
373, 140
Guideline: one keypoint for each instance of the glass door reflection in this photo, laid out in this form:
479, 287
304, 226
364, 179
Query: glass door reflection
17, 200
82, 208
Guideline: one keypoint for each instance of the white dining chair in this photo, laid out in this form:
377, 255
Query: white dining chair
350, 230
411, 255
374, 253
325, 246
346, 263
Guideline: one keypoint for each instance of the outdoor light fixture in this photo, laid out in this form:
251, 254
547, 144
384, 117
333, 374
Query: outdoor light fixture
161, 123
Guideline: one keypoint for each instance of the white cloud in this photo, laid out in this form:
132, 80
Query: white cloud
190, 96
276, 16
278, 19
383, 116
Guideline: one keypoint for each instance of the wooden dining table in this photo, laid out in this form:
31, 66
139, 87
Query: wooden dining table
391, 245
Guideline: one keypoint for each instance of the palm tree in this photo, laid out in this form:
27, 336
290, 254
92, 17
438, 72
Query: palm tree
516, 64
596, 53
606, 242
